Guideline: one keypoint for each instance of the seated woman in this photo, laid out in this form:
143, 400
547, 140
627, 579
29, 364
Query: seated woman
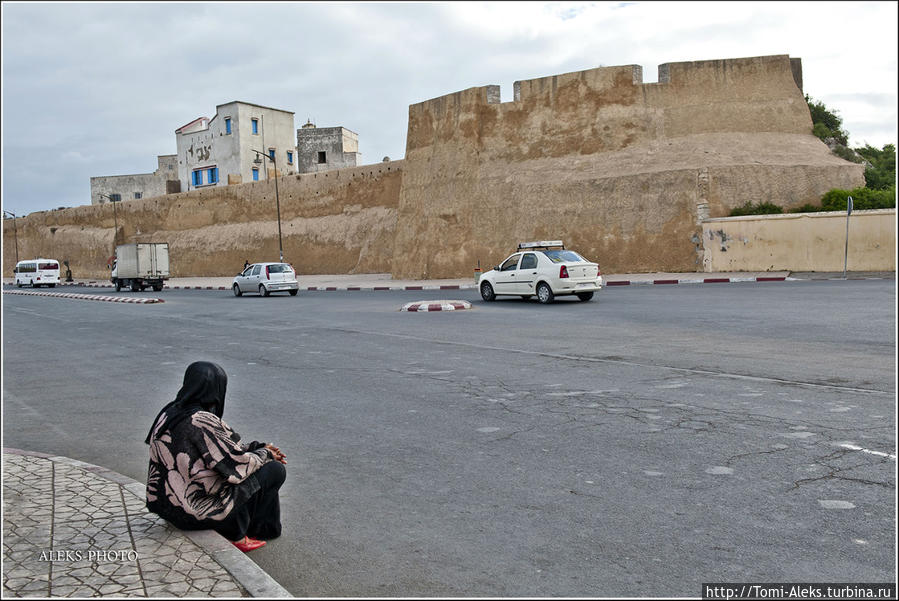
202, 476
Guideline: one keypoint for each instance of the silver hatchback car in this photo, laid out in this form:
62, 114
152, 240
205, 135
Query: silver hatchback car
265, 278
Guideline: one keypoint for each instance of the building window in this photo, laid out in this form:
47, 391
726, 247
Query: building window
137, 195
289, 158
255, 126
227, 125
271, 154
212, 175
115, 198
322, 157
255, 174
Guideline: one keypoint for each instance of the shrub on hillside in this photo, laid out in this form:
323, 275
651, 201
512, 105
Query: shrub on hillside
862, 199
762, 208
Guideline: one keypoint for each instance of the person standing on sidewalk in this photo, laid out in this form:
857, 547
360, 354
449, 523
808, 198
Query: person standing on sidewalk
201, 475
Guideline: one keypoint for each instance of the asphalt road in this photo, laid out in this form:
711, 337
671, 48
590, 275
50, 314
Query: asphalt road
640, 444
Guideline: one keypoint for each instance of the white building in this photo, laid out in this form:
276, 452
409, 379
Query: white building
221, 151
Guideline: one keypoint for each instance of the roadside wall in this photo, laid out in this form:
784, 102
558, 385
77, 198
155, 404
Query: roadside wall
801, 242
342, 221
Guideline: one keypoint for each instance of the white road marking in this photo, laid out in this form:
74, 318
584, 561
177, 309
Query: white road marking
720, 470
830, 504
853, 447
487, 430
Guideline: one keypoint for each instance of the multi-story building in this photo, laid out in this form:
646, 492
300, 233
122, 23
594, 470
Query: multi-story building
325, 148
139, 185
223, 150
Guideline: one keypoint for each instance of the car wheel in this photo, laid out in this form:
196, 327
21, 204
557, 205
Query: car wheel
293, 292
544, 293
487, 292
18, 284
236, 289
584, 296
263, 291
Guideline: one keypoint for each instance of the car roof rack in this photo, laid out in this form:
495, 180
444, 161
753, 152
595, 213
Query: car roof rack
540, 244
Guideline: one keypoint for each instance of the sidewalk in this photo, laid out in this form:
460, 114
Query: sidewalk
71, 529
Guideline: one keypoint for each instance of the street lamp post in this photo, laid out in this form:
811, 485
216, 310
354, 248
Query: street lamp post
15, 232
259, 161
115, 217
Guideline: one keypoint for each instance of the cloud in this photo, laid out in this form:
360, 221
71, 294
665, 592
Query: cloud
99, 88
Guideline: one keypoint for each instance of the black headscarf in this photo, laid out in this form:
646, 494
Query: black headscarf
203, 390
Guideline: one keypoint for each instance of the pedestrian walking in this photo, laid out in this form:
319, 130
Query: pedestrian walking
246, 264
201, 475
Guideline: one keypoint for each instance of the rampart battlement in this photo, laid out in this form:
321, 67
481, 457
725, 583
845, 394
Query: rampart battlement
610, 108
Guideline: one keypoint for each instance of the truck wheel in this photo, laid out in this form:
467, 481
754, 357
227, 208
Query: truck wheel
157, 287
118, 285
236, 290
135, 287
263, 291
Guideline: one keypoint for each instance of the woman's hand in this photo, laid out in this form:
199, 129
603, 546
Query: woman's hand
276, 453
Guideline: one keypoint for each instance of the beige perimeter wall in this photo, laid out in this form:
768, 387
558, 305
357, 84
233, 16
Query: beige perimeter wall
341, 221
622, 171
801, 242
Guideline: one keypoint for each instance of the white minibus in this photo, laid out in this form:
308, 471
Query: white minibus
37, 272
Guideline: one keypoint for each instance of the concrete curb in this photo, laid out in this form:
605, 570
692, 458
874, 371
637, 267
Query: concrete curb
609, 282
243, 569
94, 297
440, 305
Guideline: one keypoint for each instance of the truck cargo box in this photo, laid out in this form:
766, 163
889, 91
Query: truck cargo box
149, 260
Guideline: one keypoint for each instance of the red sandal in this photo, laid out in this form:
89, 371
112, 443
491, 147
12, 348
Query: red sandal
248, 544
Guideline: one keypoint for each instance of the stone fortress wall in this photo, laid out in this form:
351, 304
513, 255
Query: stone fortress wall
620, 170
340, 221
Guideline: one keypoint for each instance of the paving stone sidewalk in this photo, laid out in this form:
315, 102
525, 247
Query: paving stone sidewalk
72, 529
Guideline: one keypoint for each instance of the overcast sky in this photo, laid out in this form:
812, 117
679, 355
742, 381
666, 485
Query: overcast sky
99, 89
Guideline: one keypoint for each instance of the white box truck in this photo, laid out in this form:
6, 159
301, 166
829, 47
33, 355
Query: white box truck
140, 266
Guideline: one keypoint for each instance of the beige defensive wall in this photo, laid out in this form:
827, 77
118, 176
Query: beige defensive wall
621, 170
624, 172
340, 221
802, 242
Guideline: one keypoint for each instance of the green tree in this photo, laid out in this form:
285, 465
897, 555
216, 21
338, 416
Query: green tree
881, 171
826, 123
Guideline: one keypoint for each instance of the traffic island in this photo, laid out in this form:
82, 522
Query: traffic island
438, 305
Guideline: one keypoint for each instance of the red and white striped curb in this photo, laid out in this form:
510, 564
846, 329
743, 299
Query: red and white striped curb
110, 299
692, 281
440, 305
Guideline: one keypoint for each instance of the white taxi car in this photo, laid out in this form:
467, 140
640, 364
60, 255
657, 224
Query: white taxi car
266, 278
545, 269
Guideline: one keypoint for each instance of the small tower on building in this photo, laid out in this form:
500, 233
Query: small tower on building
326, 148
